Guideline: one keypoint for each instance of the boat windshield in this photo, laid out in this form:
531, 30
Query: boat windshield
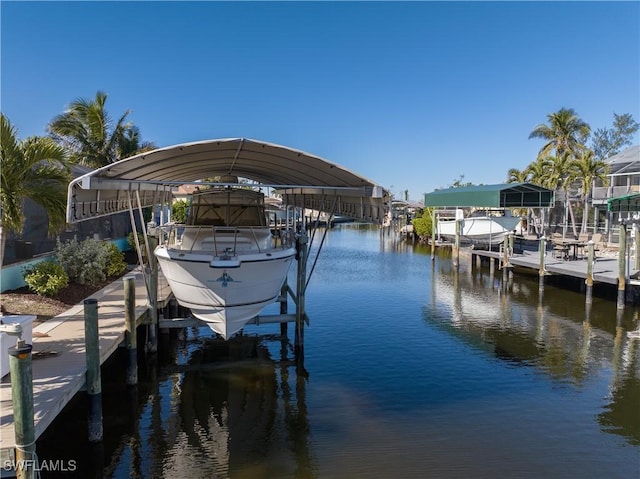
227, 207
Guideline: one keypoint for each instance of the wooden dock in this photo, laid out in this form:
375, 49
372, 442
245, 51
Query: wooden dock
605, 268
59, 363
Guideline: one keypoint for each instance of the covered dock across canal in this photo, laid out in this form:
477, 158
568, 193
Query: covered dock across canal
622, 271
504, 195
499, 196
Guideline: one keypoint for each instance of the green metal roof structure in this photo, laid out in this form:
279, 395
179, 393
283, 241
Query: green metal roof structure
505, 195
623, 204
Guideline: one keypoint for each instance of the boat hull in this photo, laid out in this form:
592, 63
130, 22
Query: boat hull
479, 230
225, 293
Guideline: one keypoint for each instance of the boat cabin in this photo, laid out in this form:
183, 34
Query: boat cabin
227, 207
228, 221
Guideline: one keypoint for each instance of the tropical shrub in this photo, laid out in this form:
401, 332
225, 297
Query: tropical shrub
46, 278
422, 225
179, 211
116, 264
90, 261
131, 241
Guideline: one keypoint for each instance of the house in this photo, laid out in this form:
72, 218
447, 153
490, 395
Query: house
624, 180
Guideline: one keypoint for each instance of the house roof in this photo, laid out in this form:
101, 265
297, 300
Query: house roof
506, 195
625, 162
623, 204
149, 178
406, 204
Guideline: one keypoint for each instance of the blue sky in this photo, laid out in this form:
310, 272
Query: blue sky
411, 95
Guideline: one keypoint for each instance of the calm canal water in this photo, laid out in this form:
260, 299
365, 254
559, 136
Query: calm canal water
410, 370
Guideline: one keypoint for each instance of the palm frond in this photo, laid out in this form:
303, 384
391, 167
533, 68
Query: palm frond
33, 168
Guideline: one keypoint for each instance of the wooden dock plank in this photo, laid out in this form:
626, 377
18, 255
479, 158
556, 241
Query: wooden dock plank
60, 374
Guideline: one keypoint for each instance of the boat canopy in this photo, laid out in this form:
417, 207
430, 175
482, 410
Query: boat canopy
506, 195
150, 178
623, 204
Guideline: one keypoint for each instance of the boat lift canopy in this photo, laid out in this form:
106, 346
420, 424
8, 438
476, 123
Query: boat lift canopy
506, 195
303, 180
624, 204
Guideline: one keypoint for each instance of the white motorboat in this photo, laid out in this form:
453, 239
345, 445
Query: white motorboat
224, 264
481, 230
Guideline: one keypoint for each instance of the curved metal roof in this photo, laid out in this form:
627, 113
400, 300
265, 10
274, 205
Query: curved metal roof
505, 195
301, 178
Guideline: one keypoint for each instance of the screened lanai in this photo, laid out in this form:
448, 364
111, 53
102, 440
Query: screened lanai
625, 204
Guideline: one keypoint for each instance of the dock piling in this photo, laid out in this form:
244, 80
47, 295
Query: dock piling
636, 243
509, 254
455, 248
505, 264
93, 379
22, 397
301, 246
542, 249
284, 296
152, 342
622, 263
589, 280
433, 234
131, 337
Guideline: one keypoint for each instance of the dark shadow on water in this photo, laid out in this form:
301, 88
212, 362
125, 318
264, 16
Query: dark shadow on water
203, 408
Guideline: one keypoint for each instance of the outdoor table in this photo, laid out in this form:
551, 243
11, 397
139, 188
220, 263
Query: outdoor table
574, 245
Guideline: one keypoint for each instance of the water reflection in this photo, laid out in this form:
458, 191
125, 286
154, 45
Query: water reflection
220, 409
415, 370
568, 340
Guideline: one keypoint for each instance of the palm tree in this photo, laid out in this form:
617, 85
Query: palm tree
34, 168
131, 143
537, 172
566, 132
561, 174
589, 169
515, 175
88, 132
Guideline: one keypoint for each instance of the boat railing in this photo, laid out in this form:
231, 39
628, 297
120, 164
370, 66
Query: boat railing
223, 239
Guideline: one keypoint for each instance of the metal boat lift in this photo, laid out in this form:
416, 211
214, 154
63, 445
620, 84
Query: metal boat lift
302, 180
